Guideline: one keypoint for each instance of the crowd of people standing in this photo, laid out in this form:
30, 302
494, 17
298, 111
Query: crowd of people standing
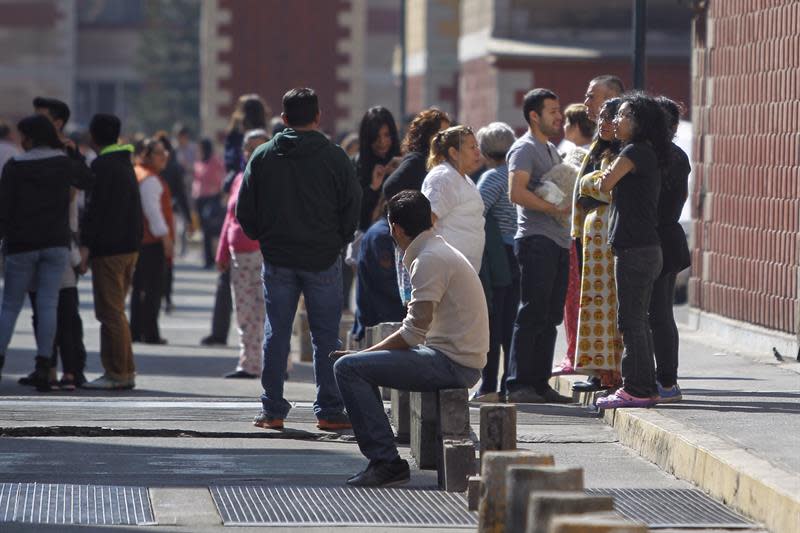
587, 234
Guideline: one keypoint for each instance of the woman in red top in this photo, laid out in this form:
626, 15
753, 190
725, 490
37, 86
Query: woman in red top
242, 255
157, 243
206, 191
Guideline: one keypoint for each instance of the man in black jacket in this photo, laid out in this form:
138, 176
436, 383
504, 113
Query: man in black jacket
300, 199
110, 239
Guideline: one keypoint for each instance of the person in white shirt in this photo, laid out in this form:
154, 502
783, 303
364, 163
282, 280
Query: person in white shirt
442, 343
455, 201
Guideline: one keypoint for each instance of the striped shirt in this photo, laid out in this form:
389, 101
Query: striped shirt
493, 187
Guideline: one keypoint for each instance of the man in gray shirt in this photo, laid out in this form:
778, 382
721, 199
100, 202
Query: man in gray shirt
542, 248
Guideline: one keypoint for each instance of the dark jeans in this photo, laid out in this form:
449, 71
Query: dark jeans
322, 292
635, 270
544, 273
665, 331
223, 307
502, 313
420, 369
147, 291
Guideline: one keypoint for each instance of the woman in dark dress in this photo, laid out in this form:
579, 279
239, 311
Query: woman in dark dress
675, 250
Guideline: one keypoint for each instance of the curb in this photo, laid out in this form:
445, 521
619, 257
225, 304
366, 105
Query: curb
729, 473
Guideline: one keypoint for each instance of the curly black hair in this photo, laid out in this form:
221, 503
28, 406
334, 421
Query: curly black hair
649, 124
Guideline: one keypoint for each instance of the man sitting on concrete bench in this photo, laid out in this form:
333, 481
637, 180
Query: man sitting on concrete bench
442, 343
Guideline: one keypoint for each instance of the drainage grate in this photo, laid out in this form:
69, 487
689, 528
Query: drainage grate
340, 506
43, 503
673, 508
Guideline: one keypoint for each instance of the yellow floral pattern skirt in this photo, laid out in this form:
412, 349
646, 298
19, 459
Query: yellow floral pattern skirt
599, 344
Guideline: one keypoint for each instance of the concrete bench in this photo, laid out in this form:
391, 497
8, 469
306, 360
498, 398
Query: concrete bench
440, 436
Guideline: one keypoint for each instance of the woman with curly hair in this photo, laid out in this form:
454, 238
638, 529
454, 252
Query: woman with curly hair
378, 145
634, 181
416, 145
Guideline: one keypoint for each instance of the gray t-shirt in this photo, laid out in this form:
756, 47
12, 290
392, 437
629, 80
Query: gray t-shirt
530, 155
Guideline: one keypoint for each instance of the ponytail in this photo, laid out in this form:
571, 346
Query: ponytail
441, 143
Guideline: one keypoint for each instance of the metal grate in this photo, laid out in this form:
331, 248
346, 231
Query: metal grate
340, 506
44, 503
673, 508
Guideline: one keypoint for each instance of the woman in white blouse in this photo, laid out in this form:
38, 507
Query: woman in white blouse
455, 201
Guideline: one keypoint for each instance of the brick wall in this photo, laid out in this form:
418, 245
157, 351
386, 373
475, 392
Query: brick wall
746, 197
266, 59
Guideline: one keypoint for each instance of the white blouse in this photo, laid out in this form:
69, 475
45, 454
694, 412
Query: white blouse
458, 206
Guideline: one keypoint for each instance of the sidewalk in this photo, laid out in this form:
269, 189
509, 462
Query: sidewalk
184, 429
736, 434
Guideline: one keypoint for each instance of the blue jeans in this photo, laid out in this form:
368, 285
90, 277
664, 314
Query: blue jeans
420, 369
42, 271
323, 297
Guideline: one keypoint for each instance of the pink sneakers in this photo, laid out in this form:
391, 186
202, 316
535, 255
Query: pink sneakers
620, 398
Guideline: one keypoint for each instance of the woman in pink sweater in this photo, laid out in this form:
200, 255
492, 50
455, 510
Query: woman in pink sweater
243, 256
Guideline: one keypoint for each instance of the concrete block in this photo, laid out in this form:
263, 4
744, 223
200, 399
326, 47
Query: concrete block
473, 492
459, 464
401, 414
424, 424
453, 407
369, 335
494, 466
522, 480
387, 328
346, 325
595, 523
543, 506
498, 427
304, 336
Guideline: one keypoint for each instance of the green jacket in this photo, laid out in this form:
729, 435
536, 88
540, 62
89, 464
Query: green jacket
300, 199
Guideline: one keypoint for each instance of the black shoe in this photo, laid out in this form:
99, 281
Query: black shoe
592, 384
524, 395
28, 380
159, 340
240, 374
551, 396
213, 341
382, 474
41, 376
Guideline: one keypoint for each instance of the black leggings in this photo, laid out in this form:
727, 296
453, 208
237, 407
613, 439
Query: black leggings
665, 331
146, 293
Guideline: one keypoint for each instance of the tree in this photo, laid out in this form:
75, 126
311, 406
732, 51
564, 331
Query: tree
169, 60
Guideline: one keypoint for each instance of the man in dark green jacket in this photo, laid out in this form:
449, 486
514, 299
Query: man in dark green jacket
300, 199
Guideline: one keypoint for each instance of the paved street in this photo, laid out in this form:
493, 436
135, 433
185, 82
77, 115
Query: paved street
184, 428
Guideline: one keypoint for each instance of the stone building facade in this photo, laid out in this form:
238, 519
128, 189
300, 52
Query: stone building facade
80, 51
746, 198
344, 49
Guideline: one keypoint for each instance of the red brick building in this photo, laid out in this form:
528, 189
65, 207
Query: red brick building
508, 47
342, 48
746, 197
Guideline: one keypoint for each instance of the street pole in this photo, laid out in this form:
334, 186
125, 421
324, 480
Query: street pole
402, 116
639, 43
